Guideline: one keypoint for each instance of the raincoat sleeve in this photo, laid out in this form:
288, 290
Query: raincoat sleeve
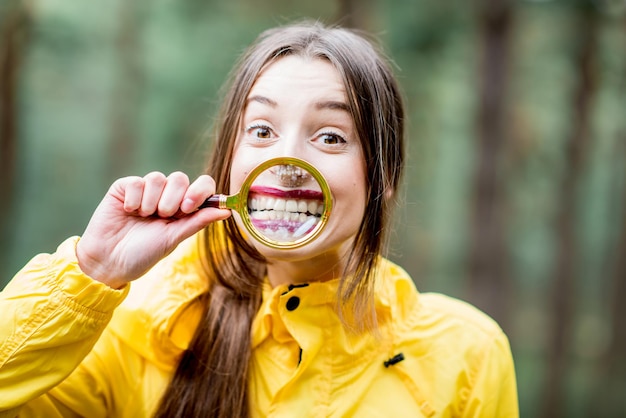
52, 315
494, 392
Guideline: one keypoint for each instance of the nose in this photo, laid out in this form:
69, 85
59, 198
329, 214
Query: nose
292, 143
289, 175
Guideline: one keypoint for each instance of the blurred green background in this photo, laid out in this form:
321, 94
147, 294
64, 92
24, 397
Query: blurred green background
515, 186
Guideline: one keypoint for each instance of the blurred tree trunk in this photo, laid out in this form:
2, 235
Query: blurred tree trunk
353, 14
488, 281
126, 96
14, 30
614, 376
610, 379
562, 293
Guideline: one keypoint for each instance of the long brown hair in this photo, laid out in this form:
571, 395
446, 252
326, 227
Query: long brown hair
212, 376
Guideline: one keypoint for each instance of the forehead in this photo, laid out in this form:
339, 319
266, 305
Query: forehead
292, 73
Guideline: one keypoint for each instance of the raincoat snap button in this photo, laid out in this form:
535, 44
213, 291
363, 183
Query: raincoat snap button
292, 303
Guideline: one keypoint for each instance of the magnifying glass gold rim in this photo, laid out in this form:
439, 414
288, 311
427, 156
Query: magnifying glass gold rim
239, 202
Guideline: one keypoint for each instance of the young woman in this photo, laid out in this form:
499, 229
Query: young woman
221, 325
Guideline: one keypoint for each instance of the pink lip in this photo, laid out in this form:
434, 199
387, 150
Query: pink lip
286, 194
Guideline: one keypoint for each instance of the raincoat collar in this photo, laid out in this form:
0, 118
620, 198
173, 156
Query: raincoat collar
395, 299
163, 309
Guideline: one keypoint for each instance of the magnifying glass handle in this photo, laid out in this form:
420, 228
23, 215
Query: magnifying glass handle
215, 201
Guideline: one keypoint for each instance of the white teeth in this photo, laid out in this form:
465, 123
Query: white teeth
288, 209
291, 206
279, 205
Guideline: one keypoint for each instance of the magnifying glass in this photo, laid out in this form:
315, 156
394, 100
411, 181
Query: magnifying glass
284, 202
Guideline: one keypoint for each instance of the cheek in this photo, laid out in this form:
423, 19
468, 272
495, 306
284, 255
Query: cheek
245, 159
239, 169
359, 185
351, 195
237, 177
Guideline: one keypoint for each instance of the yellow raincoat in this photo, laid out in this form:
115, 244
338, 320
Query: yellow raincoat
65, 353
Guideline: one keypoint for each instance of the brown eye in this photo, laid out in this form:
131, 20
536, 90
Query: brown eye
262, 133
332, 139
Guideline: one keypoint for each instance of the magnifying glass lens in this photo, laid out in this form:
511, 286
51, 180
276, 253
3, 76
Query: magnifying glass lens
285, 203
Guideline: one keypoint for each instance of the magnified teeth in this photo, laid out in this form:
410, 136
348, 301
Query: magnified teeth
262, 203
284, 219
291, 206
279, 205
262, 215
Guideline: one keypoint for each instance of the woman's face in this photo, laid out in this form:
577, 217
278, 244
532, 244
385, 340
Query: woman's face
297, 108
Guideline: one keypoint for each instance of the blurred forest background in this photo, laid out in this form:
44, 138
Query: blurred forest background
516, 179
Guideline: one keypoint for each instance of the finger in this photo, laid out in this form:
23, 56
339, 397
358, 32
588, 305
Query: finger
153, 188
201, 189
172, 196
189, 225
129, 190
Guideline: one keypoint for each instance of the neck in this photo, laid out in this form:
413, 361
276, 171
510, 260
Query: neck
319, 269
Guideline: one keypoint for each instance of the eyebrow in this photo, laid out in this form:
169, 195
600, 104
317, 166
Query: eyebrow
263, 100
329, 104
